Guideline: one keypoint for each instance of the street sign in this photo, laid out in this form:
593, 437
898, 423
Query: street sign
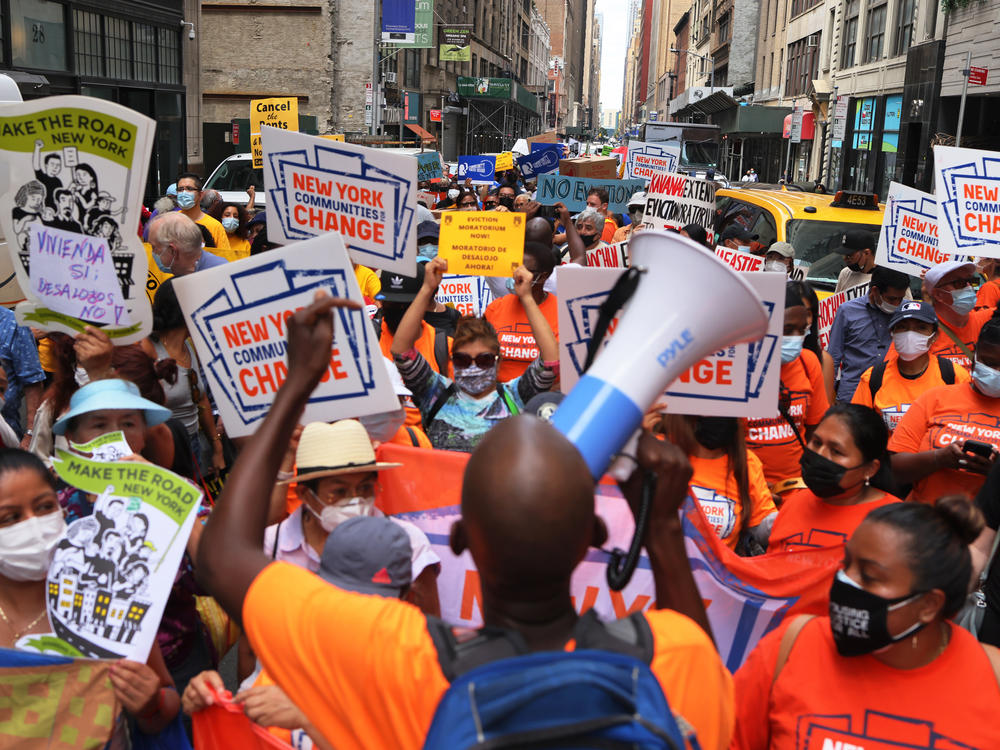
796, 128
840, 118
435, 115
977, 76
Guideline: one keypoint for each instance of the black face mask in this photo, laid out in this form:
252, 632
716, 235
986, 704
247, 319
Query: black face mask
821, 475
715, 432
392, 317
856, 267
588, 239
507, 201
859, 619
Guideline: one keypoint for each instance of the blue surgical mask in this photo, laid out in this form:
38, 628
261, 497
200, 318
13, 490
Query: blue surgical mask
963, 300
230, 224
987, 380
791, 347
428, 251
161, 266
185, 199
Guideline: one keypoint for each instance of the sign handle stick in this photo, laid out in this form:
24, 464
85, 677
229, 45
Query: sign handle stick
965, 90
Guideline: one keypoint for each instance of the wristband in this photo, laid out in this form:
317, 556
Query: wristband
408, 356
553, 365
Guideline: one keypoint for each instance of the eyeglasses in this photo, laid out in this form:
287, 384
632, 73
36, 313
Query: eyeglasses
187, 190
483, 360
335, 495
491, 203
466, 204
957, 283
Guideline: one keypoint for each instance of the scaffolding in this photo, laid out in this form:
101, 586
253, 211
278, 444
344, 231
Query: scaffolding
494, 125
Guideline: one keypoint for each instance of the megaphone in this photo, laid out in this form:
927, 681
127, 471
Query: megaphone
688, 304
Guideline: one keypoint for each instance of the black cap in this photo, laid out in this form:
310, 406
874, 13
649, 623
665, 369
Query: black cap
399, 288
922, 311
855, 240
427, 229
736, 232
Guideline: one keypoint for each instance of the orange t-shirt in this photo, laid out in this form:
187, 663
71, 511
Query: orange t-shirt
806, 521
424, 345
822, 700
517, 342
365, 670
945, 346
714, 486
938, 418
988, 295
898, 391
773, 439
610, 227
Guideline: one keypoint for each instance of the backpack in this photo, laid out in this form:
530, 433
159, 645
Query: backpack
945, 365
502, 695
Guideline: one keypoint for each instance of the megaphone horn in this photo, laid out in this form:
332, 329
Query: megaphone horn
665, 328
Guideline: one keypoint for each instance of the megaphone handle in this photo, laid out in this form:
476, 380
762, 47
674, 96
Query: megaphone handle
622, 565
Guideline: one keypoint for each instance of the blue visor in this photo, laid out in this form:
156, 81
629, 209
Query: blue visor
112, 393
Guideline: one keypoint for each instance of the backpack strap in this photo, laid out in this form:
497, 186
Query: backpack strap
436, 406
507, 399
787, 641
875, 380
441, 350
958, 342
461, 650
413, 437
993, 654
947, 368
784, 398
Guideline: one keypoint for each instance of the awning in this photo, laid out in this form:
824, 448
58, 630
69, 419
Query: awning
702, 99
808, 126
424, 135
29, 82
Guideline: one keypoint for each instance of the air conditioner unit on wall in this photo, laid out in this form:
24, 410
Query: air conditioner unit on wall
813, 40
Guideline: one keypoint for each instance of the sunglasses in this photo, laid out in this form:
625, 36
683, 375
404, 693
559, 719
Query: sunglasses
958, 283
466, 204
483, 360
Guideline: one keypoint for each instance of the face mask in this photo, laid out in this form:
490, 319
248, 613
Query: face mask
26, 548
791, 347
775, 266
859, 618
715, 432
963, 300
856, 267
334, 515
636, 216
911, 344
185, 199
821, 475
474, 379
743, 248
230, 224
887, 308
588, 239
161, 265
507, 201
428, 251
987, 380
392, 317
453, 193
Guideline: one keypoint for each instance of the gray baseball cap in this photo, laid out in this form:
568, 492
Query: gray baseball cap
369, 555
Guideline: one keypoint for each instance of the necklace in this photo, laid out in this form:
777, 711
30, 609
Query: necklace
29, 626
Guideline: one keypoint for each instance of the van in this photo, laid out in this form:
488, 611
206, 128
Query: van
232, 177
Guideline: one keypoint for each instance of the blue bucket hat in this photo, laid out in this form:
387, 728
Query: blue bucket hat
112, 393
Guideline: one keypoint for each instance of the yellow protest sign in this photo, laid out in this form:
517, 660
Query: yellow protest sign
505, 161
278, 112
339, 137
482, 243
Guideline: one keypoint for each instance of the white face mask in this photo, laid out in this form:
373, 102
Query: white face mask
26, 548
333, 515
911, 344
775, 266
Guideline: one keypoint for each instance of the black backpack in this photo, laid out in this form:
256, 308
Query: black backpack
945, 365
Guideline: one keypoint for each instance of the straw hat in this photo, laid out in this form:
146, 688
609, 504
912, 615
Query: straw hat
326, 450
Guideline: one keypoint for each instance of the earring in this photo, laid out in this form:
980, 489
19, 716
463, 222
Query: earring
867, 481
913, 641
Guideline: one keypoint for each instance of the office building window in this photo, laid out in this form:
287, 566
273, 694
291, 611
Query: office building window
144, 51
850, 34
724, 28
38, 34
170, 59
803, 65
905, 15
87, 35
875, 33
801, 6
119, 44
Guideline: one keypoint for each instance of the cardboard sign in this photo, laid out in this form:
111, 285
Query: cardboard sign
740, 260
236, 315
828, 309
967, 186
112, 573
482, 243
366, 195
481, 170
646, 160
543, 160
504, 161
470, 295
549, 136
608, 256
591, 167
675, 200
908, 241
428, 166
280, 112
738, 381
76, 175
573, 191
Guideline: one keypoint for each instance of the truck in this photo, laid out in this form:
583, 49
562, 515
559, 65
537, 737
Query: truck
699, 142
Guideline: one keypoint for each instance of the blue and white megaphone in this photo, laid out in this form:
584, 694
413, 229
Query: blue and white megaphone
688, 304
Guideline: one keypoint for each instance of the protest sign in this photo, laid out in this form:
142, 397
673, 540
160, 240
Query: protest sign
107, 447
908, 241
675, 200
428, 166
280, 112
470, 295
542, 160
967, 187
549, 136
828, 309
482, 243
480, 170
573, 191
10, 290
77, 172
504, 161
430, 199
236, 316
112, 573
366, 195
608, 256
738, 381
646, 160
740, 260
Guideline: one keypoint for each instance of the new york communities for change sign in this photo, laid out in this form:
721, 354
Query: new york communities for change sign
908, 241
967, 187
646, 160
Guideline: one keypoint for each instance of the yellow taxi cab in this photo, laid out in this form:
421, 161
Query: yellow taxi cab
814, 223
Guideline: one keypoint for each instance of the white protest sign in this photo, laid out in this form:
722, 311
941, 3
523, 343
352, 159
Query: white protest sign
470, 295
674, 200
608, 256
738, 381
828, 309
740, 260
646, 160
112, 573
908, 241
76, 176
236, 315
967, 187
366, 195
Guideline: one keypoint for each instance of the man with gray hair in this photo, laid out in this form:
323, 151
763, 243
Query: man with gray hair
178, 247
209, 200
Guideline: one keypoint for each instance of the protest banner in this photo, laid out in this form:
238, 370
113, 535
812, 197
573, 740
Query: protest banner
470, 295
236, 316
479, 170
504, 161
745, 597
278, 112
76, 175
111, 575
908, 241
738, 381
482, 243
608, 256
366, 195
967, 187
675, 200
430, 199
543, 160
740, 260
828, 309
573, 191
646, 160
428, 166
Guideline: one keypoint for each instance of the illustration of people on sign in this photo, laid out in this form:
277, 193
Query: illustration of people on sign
29, 207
